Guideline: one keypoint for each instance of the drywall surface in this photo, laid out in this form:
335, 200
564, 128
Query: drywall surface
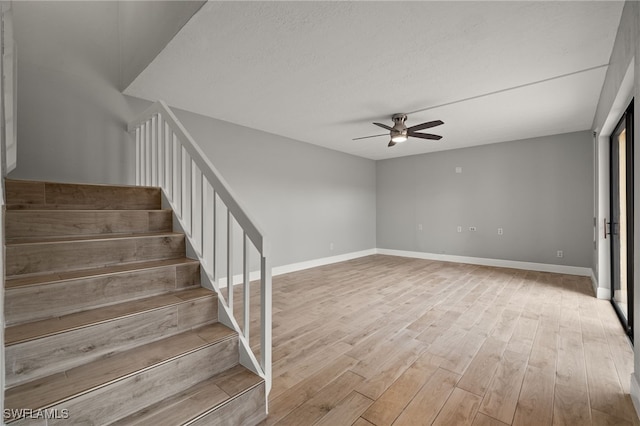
145, 28
318, 202
622, 83
71, 114
538, 191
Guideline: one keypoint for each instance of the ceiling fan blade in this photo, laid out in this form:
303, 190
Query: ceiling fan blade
391, 143
425, 125
384, 126
373, 136
424, 136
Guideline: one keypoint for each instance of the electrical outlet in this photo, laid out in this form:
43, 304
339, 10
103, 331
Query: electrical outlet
472, 228
559, 253
459, 228
419, 227
500, 231
458, 169
331, 246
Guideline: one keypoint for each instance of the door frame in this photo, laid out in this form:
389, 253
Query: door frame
627, 120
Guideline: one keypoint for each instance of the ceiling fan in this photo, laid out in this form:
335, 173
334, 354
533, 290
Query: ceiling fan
400, 132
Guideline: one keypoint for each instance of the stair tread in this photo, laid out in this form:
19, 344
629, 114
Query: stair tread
96, 237
29, 331
85, 210
197, 400
37, 279
59, 387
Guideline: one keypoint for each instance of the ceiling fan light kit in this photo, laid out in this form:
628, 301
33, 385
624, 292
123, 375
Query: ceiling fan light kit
400, 132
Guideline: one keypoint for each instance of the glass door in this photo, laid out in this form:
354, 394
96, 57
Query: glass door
621, 225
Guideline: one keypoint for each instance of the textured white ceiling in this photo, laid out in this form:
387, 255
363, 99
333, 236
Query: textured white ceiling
321, 72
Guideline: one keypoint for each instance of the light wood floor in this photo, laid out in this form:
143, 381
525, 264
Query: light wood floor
387, 340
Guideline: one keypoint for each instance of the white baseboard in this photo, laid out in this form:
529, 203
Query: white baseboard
600, 292
529, 266
293, 267
635, 393
279, 270
603, 293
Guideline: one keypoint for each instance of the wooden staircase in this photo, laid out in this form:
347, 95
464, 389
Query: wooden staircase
106, 321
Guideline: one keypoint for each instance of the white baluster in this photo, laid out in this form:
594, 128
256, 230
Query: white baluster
230, 259
246, 286
138, 156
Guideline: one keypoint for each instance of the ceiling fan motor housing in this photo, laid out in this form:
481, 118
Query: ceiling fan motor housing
399, 128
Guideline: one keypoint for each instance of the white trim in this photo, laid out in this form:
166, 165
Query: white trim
285, 269
601, 293
635, 393
293, 267
529, 266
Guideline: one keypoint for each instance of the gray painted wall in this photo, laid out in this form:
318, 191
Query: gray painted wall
305, 196
540, 191
145, 28
70, 112
72, 59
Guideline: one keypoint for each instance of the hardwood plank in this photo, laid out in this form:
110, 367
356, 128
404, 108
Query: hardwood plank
160, 220
501, 397
61, 255
484, 420
604, 419
506, 325
458, 358
247, 409
103, 196
571, 397
204, 399
23, 192
44, 223
295, 396
346, 411
388, 371
130, 394
38, 329
605, 390
478, 375
47, 391
324, 401
310, 364
460, 409
521, 340
390, 404
178, 408
544, 351
535, 404
22, 281
52, 354
62, 297
361, 422
425, 406
369, 366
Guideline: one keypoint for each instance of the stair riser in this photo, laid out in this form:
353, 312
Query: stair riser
61, 256
49, 355
26, 194
38, 302
120, 399
247, 409
38, 223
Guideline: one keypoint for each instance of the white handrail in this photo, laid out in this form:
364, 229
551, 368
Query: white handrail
168, 157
